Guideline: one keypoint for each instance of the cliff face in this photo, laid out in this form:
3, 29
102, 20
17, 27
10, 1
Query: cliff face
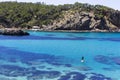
74, 20
114, 18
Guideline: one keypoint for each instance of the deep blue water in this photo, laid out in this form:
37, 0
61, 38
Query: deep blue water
57, 56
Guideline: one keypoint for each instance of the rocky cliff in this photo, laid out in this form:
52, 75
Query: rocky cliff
74, 20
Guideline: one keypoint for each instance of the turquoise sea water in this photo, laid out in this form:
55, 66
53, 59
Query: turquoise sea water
57, 56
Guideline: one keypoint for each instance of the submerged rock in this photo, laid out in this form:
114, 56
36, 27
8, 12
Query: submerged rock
3, 78
109, 69
84, 68
107, 60
12, 70
73, 76
37, 75
116, 60
103, 59
96, 76
31, 73
99, 78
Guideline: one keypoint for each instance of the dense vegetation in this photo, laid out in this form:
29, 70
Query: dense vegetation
14, 14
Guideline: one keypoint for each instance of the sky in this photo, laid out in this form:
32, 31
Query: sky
115, 4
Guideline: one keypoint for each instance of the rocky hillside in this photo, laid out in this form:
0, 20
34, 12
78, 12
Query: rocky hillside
74, 20
62, 17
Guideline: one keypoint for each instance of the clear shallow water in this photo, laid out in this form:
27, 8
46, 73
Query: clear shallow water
50, 55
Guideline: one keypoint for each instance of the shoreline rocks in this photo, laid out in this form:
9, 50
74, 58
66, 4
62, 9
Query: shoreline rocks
96, 30
13, 32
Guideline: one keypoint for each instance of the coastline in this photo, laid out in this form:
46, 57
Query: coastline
74, 31
66, 31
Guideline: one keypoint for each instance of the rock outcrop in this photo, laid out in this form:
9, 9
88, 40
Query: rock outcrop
114, 18
13, 32
86, 21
